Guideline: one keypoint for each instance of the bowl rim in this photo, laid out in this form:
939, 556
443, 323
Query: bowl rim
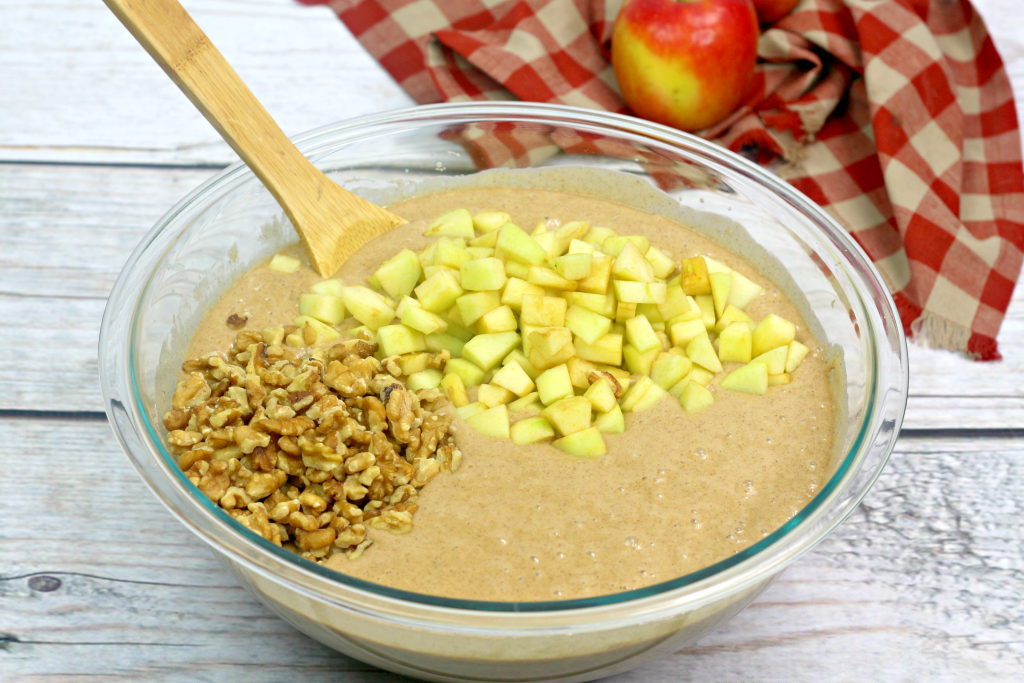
748, 567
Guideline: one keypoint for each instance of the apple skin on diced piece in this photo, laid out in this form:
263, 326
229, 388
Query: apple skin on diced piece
572, 266
397, 340
694, 397
695, 280
630, 265
795, 355
457, 223
470, 374
600, 275
324, 307
734, 343
487, 350
640, 335
330, 287
772, 332
774, 360
439, 291
554, 385
607, 349
748, 379
399, 275
423, 320
501, 319
519, 246
743, 291
683, 333
585, 444
425, 379
456, 390
284, 264
439, 341
475, 305
512, 377
569, 415
668, 370
659, 260
543, 311
367, 306
489, 221
586, 324
549, 279
721, 283
491, 395
469, 410
531, 430
639, 363
601, 396
515, 289
701, 352
640, 292
611, 422
492, 422
483, 275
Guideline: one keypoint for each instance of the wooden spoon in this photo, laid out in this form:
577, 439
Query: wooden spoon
331, 221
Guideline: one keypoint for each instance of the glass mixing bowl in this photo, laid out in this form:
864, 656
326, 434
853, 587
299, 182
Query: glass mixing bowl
231, 223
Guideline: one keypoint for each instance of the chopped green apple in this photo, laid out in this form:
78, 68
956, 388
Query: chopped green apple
640, 292
581, 247
749, 379
488, 240
730, 315
518, 356
630, 265
694, 397
773, 331
514, 378
319, 331
700, 351
796, 354
600, 275
367, 306
475, 305
601, 396
284, 264
743, 291
676, 303
668, 370
633, 395
456, 390
423, 320
572, 266
450, 254
399, 275
586, 324
481, 253
483, 275
774, 360
611, 422
516, 269
397, 340
519, 246
613, 246
571, 231
439, 341
501, 319
602, 304
425, 379
457, 223
492, 395
542, 362
545, 311
549, 340
734, 343
569, 415
492, 422
439, 291
640, 334
607, 349
659, 260
324, 307
330, 287
683, 333
650, 397
515, 289
585, 444
579, 370
721, 283
695, 281
549, 279
531, 430
778, 380
470, 374
706, 304
623, 312
469, 410
489, 221
598, 235
639, 363
521, 404
554, 385
487, 350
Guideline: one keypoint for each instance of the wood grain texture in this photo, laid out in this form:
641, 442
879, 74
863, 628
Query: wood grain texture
922, 582
98, 214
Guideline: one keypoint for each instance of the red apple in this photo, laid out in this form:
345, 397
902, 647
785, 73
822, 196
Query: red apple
685, 63
770, 11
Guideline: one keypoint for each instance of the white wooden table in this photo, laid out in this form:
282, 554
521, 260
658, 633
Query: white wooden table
97, 581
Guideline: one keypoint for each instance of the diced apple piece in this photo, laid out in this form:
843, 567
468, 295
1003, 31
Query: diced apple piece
633, 395
319, 331
411, 363
706, 304
474, 306
639, 363
653, 394
569, 415
456, 390
399, 275
774, 360
586, 324
549, 340
598, 235
600, 275
425, 379
489, 221
572, 266
623, 312
580, 247
585, 444
676, 303
423, 320
483, 275
571, 231
531, 430
439, 291
607, 349
513, 378
613, 246
621, 375
734, 342
519, 246
601, 396
796, 354
488, 240
492, 422
700, 376
487, 350
721, 283
640, 292
545, 311
602, 304
515, 288
640, 334
457, 223
662, 264
700, 351
716, 266
450, 254
651, 312
684, 333
501, 319
579, 370
777, 380
669, 370
521, 404
770, 333
749, 379
730, 315
469, 410
284, 264
630, 265
444, 342
330, 287
367, 306
549, 279
519, 357
397, 340
324, 307
405, 304
695, 280
611, 422
470, 374
694, 397
272, 335
542, 362
491, 395
554, 385
743, 291
516, 269
479, 253
426, 255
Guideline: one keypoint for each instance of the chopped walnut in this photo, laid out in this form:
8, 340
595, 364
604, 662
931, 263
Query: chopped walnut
237, 322
311, 452
595, 375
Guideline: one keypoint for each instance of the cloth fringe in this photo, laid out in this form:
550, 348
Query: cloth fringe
933, 331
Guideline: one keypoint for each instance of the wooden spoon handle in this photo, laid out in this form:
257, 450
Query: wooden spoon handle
178, 45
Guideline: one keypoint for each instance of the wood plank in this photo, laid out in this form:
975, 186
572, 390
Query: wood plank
929, 567
105, 100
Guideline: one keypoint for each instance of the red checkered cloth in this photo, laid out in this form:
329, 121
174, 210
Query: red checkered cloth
896, 116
